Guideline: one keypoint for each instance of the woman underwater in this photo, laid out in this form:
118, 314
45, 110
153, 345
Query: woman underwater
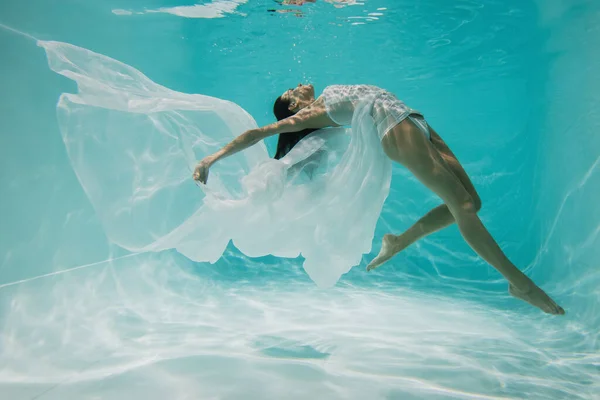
406, 138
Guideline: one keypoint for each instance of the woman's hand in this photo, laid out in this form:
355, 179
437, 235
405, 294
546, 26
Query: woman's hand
201, 171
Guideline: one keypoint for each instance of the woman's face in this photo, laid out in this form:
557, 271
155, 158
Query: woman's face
300, 95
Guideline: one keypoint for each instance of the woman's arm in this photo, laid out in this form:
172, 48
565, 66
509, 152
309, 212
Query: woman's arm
309, 117
253, 136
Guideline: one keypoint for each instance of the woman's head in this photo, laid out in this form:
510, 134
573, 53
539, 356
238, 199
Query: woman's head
293, 100
286, 105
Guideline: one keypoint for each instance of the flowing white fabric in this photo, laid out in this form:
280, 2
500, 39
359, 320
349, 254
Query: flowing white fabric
133, 145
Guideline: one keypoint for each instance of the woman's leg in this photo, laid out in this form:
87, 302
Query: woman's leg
436, 219
407, 145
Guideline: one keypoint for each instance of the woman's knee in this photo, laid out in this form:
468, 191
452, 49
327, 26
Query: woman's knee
476, 202
464, 202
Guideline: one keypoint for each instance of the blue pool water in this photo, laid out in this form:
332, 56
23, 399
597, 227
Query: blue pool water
511, 86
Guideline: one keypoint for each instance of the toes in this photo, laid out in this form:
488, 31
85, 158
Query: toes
559, 309
374, 264
556, 309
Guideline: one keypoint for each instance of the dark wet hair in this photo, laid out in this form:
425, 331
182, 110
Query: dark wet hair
288, 140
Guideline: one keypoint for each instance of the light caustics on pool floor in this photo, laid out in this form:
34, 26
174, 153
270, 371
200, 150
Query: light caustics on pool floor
172, 334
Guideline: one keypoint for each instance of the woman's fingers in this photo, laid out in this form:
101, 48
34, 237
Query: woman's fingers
201, 174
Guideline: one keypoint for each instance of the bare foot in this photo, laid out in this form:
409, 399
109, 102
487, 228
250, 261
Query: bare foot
389, 248
538, 298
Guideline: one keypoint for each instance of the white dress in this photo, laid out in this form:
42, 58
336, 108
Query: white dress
341, 101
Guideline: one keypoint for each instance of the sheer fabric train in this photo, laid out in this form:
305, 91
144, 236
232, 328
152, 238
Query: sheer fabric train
133, 145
